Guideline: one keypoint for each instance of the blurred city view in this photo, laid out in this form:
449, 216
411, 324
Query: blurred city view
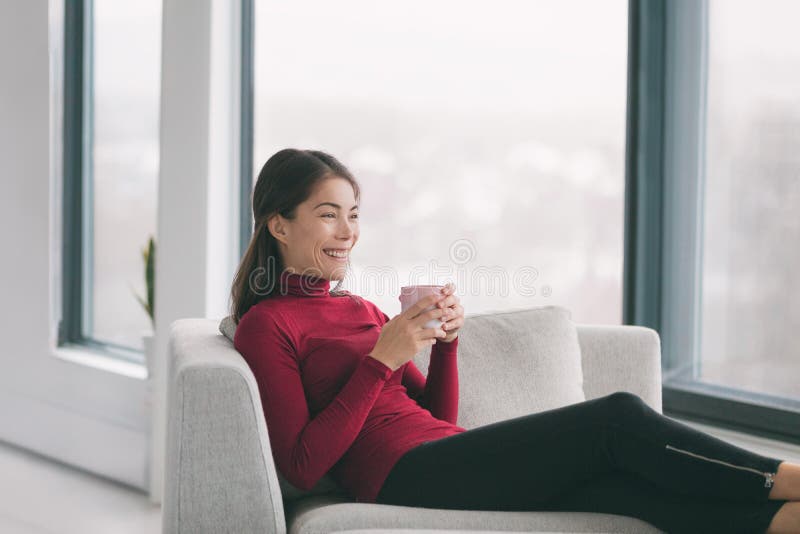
751, 255
478, 193
489, 143
127, 84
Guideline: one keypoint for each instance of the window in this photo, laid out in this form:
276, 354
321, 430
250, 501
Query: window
750, 315
710, 233
488, 139
111, 109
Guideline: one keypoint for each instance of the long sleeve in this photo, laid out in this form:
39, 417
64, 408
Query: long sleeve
439, 393
304, 449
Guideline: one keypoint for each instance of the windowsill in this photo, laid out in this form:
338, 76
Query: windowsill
103, 360
760, 445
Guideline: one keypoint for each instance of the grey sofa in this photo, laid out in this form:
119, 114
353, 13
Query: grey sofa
220, 475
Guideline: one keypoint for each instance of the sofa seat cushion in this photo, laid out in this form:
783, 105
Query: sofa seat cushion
317, 514
427, 531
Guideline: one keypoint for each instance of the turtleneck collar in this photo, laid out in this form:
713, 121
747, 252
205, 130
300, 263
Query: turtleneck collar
303, 285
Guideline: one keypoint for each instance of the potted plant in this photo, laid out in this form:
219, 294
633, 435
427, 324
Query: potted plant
149, 257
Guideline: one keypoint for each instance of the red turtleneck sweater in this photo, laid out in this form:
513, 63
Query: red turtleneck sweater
329, 406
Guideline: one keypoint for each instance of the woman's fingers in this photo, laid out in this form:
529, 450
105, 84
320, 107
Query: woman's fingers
456, 310
454, 317
452, 311
448, 301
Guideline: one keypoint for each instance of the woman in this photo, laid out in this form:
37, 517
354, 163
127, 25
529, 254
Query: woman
341, 395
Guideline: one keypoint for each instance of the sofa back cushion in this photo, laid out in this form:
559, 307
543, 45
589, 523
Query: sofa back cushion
514, 363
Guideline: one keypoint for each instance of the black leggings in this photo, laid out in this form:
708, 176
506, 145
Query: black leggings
612, 455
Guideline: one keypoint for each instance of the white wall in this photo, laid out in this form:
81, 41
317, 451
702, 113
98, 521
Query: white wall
198, 189
82, 415
75, 406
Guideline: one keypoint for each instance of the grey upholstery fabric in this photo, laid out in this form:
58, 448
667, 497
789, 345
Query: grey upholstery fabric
534, 353
227, 327
220, 476
621, 358
324, 513
423, 531
428, 531
219, 472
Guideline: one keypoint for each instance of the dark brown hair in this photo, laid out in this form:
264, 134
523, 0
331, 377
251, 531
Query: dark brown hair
287, 179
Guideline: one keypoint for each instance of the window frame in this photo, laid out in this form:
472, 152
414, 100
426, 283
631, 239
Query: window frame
70, 327
246, 109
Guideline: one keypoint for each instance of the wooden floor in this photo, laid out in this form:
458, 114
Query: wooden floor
40, 496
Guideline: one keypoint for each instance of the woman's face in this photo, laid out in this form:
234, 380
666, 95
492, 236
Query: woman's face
327, 220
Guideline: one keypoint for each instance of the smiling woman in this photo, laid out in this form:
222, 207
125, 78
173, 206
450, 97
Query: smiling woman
317, 240
305, 206
341, 254
331, 372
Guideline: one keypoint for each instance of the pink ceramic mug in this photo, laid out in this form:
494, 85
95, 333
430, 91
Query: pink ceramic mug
409, 295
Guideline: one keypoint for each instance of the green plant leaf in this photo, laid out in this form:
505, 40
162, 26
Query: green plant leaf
148, 257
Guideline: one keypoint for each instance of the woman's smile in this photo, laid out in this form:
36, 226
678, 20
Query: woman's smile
339, 255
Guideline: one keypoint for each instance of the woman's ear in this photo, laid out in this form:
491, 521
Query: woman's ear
276, 225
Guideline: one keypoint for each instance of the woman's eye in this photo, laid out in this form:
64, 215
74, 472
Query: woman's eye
354, 216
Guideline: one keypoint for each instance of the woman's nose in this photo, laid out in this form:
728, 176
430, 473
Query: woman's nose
348, 228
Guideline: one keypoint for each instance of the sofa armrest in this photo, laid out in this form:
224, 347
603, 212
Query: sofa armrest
219, 472
621, 358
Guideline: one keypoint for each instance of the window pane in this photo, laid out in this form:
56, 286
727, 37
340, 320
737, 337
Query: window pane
127, 60
488, 139
750, 313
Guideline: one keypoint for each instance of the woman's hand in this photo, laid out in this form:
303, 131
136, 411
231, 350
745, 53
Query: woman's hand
405, 334
454, 313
